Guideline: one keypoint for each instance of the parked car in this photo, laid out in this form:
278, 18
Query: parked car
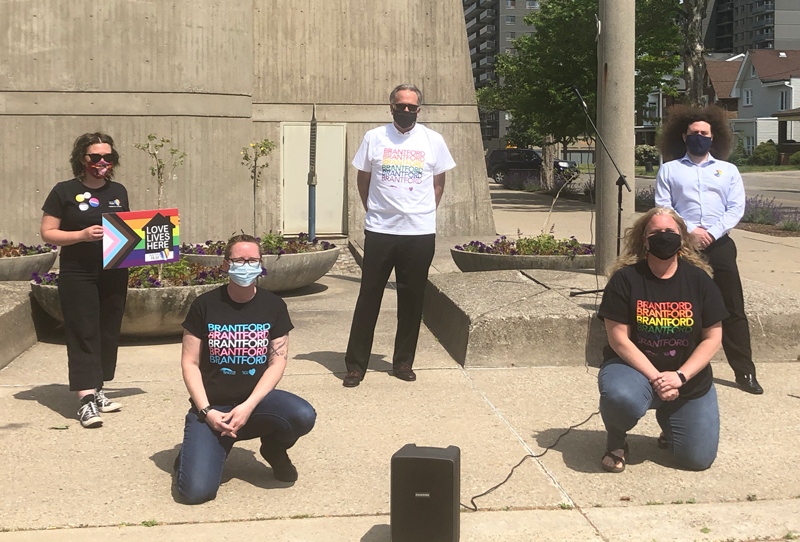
501, 161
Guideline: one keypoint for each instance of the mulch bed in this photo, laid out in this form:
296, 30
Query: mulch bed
766, 229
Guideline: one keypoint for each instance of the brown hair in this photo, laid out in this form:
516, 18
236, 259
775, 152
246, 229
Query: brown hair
635, 251
679, 117
85, 141
241, 238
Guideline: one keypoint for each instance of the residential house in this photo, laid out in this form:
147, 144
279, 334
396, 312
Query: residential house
720, 77
768, 81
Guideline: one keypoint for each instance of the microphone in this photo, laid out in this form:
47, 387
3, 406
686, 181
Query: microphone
580, 98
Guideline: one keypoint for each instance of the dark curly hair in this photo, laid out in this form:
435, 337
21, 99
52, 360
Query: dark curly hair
679, 117
85, 141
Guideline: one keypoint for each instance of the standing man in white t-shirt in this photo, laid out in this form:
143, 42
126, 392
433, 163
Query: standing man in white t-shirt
401, 174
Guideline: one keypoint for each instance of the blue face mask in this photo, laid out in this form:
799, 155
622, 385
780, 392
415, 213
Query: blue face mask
697, 144
244, 274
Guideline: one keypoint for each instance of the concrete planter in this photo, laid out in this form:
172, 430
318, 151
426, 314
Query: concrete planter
284, 272
21, 267
475, 261
149, 312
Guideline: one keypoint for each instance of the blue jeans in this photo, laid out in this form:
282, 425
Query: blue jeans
691, 426
280, 418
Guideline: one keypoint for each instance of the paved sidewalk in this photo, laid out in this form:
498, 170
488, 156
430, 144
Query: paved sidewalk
62, 482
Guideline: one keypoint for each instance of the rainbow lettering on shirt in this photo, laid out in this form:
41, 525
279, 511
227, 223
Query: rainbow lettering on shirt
665, 324
402, 166
238, 344
718, 173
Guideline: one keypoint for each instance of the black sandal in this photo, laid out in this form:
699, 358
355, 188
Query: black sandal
617, 459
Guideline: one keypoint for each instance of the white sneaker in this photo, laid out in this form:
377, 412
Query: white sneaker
104, 404
88, 415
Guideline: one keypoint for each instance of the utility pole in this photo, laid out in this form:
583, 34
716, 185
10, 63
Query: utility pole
615, 122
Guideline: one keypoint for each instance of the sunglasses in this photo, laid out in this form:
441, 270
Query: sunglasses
94, 158
412, 108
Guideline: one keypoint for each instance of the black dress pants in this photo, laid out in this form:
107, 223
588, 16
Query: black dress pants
735, 330
410, 256
92, 302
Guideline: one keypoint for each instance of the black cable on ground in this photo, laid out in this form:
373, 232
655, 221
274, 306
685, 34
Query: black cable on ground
474, 506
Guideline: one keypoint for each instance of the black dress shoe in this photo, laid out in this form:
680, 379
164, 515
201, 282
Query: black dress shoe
749, 384
352, 379
404, 372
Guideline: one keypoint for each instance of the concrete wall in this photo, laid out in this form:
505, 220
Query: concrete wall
214, 76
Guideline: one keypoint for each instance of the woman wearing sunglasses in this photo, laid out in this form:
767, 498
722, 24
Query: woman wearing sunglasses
663, 315
92, 300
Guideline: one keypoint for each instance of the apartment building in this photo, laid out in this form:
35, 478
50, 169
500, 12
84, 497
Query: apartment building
735, 26
492, 26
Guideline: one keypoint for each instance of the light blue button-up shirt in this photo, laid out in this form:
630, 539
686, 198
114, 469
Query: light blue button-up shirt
708, 195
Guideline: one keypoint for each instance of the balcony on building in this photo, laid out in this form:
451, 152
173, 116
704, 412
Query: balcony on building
488, 29
471, 9
471, 24
487, 3
487, 46
486, 62
472, 38
762, 8
475, 54
487, 16
766, 21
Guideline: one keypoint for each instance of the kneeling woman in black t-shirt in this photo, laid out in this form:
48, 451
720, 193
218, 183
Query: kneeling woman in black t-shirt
92, 300
662, 313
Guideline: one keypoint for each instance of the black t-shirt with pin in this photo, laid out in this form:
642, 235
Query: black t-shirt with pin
79, 207
665, 317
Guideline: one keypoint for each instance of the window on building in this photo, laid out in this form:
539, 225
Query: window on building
510, 36
511, 4
783, 100
510, 19
532, 4
747, 97
752, 71
509, 51
749, 143
508, 115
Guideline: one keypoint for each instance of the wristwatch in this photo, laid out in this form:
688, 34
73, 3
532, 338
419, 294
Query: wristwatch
201, 414
681, 376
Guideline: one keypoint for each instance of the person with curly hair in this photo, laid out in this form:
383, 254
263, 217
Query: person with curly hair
708, 194
662, 313
92, 299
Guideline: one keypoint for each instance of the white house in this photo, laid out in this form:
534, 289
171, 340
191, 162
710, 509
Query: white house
768, 81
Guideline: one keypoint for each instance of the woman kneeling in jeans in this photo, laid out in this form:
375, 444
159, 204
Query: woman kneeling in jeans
662, 313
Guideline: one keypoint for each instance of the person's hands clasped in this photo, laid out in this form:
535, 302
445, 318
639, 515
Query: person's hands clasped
235, 419
216, 421
92, 233
702, 237
666, 385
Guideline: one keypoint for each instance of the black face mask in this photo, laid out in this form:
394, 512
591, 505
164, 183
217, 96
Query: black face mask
404, 119
697, 144
664, 245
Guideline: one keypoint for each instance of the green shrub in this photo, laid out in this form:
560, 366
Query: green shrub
646, 153
765, 154
739, 156
795, 159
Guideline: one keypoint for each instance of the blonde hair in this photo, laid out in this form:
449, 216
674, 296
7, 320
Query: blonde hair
635, 251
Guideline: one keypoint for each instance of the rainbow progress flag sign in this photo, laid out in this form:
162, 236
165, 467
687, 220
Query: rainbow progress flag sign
138, 238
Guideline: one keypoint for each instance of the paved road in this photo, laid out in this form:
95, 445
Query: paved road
784, 186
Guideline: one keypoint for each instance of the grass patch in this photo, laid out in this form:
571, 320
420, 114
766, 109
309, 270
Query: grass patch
150, 523
565, 506
654, 503
705, 530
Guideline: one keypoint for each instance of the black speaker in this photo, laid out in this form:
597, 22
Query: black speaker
426, 487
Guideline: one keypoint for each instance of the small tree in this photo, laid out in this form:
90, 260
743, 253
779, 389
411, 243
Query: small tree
254, 158
176, 157
765, 154
153, 147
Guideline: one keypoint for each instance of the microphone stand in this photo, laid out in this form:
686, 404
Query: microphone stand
621, 181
